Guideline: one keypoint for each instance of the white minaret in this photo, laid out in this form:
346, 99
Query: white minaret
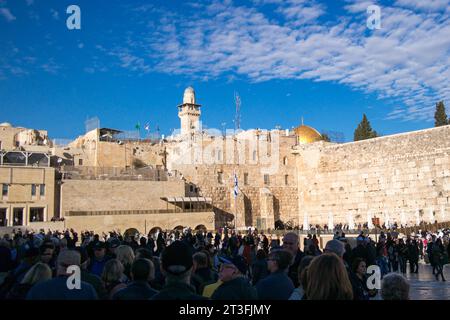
189, 113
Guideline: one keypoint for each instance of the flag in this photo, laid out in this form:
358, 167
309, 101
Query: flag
236, 186
138, 126
147, 127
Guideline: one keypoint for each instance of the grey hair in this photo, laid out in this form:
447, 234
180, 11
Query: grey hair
395, 287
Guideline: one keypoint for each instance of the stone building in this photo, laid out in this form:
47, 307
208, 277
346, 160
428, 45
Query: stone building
28, 193
260, 178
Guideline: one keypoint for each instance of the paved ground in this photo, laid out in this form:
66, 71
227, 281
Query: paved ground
424, 285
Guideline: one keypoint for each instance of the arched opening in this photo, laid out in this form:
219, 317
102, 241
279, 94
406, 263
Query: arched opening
178, 228
155, 230
132, 233
279, 225
285, 161
201, 227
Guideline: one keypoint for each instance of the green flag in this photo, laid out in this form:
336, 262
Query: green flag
138, 126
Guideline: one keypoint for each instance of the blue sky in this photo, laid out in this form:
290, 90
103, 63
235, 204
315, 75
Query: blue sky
131, 61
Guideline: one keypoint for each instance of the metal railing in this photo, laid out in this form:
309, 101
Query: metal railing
129, 212
112, 173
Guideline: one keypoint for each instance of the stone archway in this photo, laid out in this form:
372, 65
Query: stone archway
200, 227
131, 232
155, 230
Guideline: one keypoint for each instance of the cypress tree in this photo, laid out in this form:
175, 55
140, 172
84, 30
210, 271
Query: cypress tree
364, 130
440, 117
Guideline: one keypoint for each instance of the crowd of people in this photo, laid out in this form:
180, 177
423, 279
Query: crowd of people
224, 265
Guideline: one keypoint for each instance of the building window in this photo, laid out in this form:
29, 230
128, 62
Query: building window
42, 190
219, 155
245, 179
17, 216
286, 179
36, 214
285, 161
219, 178
33, 190
254, 155
3, 217
266, 179
5, 189
191, 188
80, 162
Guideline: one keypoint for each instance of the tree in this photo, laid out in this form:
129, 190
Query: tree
325, 137
364, 130
440, 117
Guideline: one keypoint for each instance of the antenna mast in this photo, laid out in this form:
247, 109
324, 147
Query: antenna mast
237, 118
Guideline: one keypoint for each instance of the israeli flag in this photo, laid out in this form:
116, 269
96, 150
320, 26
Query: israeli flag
236, 186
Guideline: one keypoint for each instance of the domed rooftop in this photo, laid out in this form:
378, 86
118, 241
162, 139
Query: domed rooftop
5, 124
306, 134
189, 95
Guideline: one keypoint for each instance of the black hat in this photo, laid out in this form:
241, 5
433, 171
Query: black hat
177, 258
114, 243
239, 262
99, 245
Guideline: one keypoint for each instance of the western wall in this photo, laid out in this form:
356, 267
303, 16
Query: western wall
403, 178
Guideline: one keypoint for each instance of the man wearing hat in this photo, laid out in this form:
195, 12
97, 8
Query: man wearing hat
235, 285
112, 244
99, 259
176, 266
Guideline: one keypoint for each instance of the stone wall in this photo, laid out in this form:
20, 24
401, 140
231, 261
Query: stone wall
216, 180
104, 195
381, 177
142, 222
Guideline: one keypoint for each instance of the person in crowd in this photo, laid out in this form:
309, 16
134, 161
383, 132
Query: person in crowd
47, 251
259, 267
328, 279
291, 244
360, 251
438, 258
394, 286
125, 255
299, 292
201, 272
176, 266
99, 259
142, 273
90, 278
382, 256
413, 255
402, 250
113, 277
277, 285
112, 245
358, 279
6, 261
235, 285
57, 288
38, 273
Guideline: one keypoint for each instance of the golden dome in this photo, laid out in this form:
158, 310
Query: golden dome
307, 134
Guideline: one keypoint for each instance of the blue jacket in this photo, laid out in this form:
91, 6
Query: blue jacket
56, 289
276, 286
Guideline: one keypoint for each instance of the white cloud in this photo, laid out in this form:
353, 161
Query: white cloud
394, 62
6, 13
29, 2
432, 5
